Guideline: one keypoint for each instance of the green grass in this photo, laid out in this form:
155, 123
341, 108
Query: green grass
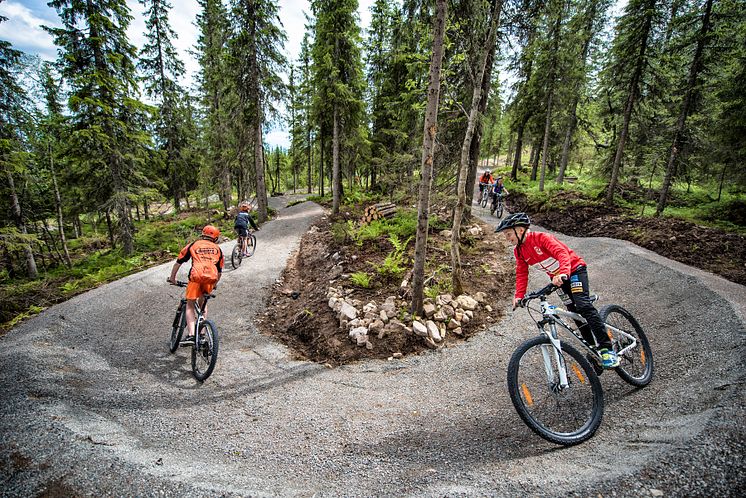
94, 263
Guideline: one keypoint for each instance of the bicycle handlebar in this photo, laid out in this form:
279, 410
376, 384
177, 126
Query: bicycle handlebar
544, 291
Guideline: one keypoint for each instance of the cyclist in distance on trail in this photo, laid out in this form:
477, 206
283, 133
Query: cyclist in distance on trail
567, 271
485, 180
241, 225
207, 267
498, 189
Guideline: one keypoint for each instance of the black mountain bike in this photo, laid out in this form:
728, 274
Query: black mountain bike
497, 205
244, 248
203, 339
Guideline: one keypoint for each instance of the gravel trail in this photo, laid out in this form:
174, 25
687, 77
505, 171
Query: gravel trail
95, 405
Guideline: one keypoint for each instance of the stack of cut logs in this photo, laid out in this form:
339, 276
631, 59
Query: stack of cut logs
378, 211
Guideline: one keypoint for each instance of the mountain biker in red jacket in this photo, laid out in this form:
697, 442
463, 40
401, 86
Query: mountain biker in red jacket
567, 271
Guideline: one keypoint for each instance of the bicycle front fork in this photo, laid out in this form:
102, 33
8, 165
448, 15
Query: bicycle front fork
552, 356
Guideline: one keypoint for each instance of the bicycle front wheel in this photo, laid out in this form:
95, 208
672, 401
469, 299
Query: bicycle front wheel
563, 415
636, 364
499, 209
251, 245
236, 256
205, 355
177, 327
484, 199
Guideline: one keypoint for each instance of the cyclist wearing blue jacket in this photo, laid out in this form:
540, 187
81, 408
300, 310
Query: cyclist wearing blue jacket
243, 220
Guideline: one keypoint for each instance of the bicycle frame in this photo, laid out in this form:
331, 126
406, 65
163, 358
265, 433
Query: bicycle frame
552, 316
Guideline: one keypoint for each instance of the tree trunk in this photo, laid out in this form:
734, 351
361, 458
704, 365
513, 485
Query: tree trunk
518, 148
631, 98
509, 154
428, 147
534, 160
110, 230
545, 145
476, 142
31, 269
310, 154
261, 190
336, 180
686, 105
457, 280
60, 223
321, 165
550, 95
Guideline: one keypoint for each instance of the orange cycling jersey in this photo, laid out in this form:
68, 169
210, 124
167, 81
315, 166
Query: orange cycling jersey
486, 179
207, 264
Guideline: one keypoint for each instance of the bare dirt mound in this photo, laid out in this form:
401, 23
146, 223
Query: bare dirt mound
299, 315
710, 249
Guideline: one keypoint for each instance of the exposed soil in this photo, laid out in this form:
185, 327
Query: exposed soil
299, 315
710, 249
298, 311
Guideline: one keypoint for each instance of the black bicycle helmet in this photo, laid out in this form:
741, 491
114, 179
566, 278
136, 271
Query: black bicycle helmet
514, 220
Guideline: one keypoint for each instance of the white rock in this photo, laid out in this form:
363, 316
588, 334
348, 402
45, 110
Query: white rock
383, 316
467, 302
458, 316
453, 324
439, 316
433, 331
359, 335
370, 307
465, 319
488, 308
458, 331
469, 313
419, 328
347, 310
429, 310
446, 233
480, 296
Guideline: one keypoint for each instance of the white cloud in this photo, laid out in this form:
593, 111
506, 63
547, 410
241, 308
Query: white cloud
23, 29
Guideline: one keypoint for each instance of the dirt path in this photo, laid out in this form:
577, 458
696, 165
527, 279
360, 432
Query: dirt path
94, 404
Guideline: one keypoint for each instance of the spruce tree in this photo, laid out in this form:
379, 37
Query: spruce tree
106, 140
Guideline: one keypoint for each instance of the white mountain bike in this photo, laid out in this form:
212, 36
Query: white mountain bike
555, 388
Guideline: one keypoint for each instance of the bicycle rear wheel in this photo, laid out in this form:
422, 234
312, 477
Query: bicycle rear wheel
564, 416
205, 355
636, 365
251, 245
177, 327
236, 255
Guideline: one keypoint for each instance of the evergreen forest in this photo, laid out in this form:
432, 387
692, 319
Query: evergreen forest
110, 160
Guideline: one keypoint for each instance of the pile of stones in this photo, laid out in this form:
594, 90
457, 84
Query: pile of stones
442, 315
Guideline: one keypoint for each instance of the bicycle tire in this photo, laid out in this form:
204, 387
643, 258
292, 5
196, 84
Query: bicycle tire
251, 245
484, 200
500, 210
205, 355
569, 422
236, 255
635, 366
177, 328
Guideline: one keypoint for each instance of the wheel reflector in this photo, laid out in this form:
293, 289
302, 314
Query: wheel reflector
527, 395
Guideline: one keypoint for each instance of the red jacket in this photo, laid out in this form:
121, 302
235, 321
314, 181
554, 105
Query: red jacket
545, 252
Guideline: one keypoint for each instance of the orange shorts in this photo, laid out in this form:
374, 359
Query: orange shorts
195, 290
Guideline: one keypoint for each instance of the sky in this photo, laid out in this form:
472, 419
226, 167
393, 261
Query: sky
25, 18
